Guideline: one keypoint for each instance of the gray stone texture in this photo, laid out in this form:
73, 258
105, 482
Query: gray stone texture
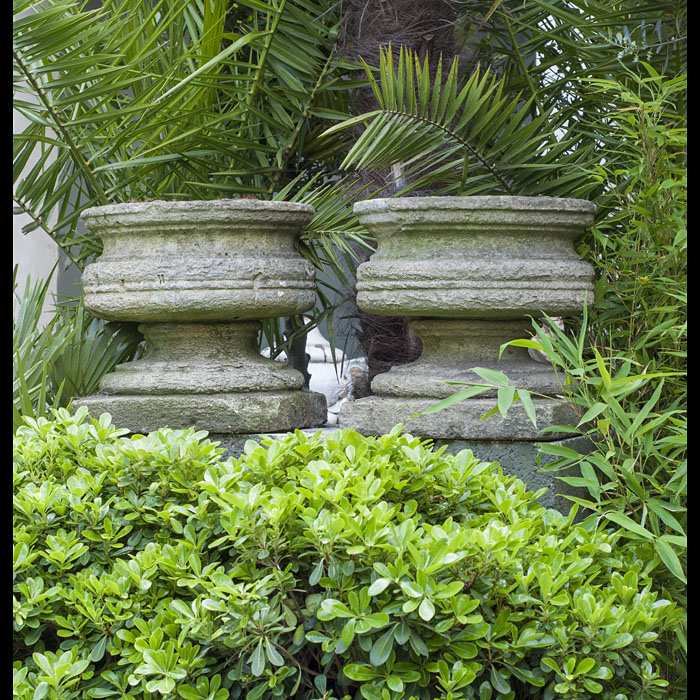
246, 412
475, 257
452, 347
470, 270
223, 260
201, 358
196, 275
521, 459
377, 415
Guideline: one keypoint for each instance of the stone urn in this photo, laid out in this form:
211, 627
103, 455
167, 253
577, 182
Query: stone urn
470, 271
198, 276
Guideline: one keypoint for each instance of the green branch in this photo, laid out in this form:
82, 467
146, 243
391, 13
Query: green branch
523, 66
289, 148
261, 65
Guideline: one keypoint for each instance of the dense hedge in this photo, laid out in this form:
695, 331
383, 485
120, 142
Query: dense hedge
349, 567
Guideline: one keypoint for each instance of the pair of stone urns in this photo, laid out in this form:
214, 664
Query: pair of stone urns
199, 276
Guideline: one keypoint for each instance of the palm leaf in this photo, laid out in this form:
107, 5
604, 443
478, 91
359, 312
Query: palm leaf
161, 100
463, 138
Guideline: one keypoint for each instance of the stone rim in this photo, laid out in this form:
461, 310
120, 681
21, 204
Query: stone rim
201, 260
475, 203
214, 205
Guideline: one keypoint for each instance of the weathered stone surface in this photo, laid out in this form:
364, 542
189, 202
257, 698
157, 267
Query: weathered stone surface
520, 458
250, 412
195, 274
452, 347
472, 270
377, 415
201, 358
475, 257
222, 260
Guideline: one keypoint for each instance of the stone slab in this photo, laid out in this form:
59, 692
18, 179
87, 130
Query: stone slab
259, 412
520, 459
377, 415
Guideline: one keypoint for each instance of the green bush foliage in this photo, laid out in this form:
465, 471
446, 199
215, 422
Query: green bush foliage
624, 368
344, 567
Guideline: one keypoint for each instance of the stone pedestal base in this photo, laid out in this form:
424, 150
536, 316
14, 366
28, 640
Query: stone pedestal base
521, 459
451, 348
206, 375
377, 415
252, 412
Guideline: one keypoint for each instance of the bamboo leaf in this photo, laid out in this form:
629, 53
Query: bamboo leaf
629, 524
454, 398
670, 559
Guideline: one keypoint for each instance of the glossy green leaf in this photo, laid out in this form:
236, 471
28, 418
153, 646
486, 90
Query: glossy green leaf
382, 648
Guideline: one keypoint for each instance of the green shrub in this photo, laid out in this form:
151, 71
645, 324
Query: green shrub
626, 366
350, 567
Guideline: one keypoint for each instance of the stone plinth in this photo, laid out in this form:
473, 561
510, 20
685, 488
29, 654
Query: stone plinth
471, 271
377, 415
198, 275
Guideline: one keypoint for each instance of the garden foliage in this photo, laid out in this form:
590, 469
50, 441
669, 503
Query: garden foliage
131, 101
198, 100
354, 567
64, 358
171, 100
361, 567
623, 368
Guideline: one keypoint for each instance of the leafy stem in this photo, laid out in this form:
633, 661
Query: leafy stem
260, 68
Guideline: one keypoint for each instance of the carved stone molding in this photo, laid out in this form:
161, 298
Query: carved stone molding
470, 271
198, 276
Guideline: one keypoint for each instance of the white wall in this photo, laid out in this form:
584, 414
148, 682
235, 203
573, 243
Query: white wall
34, 253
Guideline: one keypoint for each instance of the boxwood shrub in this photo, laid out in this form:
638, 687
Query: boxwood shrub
311, 568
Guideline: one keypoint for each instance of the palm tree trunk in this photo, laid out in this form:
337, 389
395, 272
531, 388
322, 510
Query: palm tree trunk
427, 28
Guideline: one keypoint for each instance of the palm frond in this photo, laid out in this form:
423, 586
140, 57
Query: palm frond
464, 138
93, 349
165, 100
